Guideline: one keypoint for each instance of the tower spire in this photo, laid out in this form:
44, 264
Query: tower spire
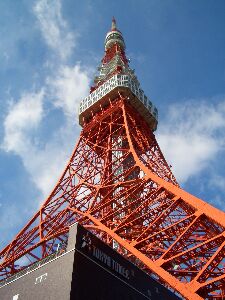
114, 36
113, 27
114, 73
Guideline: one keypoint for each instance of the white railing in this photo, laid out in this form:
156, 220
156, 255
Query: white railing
112, 83
34, 266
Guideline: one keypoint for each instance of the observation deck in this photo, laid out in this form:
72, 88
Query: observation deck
108, 91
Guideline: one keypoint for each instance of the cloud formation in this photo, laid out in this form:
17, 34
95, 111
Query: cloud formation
63, 89
191, 136
69, 87
43, 162
54, 27
21, 121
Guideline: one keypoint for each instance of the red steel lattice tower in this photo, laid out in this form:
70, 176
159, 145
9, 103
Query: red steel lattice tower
118, 185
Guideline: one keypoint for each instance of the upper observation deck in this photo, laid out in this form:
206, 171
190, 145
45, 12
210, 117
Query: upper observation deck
108, 91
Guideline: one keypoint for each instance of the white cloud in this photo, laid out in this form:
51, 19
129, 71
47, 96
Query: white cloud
65, 86
69, 87
191, 136
23, 117
46, 163
54, 28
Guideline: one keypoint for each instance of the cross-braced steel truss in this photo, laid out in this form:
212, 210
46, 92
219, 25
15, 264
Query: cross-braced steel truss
118, 185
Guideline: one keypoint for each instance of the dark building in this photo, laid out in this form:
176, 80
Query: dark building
88, 269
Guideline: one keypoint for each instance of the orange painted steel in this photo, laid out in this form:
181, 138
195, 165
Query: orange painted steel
119, 185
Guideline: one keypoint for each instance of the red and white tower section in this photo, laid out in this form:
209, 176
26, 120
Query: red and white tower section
118, 185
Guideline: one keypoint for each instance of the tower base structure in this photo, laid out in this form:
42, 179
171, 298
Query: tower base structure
86, 269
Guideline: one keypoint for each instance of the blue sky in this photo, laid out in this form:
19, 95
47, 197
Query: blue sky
49, 52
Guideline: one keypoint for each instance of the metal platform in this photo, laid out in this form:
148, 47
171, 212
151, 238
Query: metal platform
108, 91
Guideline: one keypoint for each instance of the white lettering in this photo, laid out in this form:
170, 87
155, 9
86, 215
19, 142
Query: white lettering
41, 278
111, 263
16, 297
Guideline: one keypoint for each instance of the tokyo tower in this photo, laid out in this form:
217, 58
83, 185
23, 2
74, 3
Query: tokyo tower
119, 186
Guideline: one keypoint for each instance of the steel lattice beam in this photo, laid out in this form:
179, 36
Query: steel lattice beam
118, 184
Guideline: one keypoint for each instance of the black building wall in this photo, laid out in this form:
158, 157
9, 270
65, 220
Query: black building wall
88, 270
